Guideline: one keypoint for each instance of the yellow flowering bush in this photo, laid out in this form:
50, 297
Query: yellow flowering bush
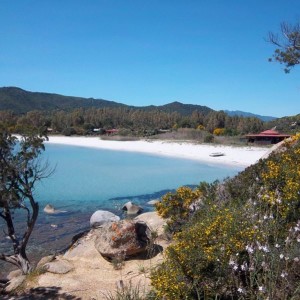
219, 131
197, 262
281, 180
176, 206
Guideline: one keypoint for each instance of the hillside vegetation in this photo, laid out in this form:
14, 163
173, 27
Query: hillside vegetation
20, 101
238, 239
66, 115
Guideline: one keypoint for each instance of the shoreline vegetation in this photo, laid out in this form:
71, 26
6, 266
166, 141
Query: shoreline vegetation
242, 156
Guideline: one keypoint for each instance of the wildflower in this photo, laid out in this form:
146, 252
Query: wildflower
286, 258
283, 274
261, 288
281, 256
296, 259
231, 263
296, 228
240, 290
265, 249
298, 239
235, 267
249, 249
277, 246
265, 217
244, 266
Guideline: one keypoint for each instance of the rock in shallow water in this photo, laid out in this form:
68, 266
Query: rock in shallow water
49, 209
101, 217
131, 208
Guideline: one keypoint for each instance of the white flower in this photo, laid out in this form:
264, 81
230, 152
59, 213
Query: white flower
265, 217
286, 258
283, 274
249, 249
244, 266
277, 246
240, 290
235, 267
298, 239
271, 217
261, 288
281, 256
231, 263
296, 259
296, 228
265, 249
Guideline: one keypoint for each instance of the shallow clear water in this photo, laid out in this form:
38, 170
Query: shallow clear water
86, 179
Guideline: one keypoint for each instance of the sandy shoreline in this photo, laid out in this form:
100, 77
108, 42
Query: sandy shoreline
233, 156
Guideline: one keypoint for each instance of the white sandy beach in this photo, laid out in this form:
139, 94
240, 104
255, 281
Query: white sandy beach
234, 156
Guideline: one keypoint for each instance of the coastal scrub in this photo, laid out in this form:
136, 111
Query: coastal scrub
243, 242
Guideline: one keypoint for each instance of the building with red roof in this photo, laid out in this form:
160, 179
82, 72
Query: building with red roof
267, 137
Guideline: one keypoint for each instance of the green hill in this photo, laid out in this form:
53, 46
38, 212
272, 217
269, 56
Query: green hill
21, 101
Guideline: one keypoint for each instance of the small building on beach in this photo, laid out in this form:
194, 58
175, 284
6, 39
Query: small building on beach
267, 137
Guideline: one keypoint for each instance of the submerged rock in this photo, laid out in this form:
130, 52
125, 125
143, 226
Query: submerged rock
131, 209
49, 209
101, 217
125, 238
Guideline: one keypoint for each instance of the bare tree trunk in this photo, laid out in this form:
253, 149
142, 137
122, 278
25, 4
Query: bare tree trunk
20, 260
24, 264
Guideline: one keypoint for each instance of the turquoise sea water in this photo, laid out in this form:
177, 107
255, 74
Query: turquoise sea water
87, 179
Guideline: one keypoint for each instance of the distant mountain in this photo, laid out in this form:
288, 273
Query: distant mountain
183, 109
247, 114
21, 101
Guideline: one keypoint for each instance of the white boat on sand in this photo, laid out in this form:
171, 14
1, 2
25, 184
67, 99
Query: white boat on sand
215, 154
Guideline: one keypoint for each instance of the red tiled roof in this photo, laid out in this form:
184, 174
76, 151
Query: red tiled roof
268, 133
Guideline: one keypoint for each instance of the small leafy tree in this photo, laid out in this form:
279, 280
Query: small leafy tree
288, 43
20, 169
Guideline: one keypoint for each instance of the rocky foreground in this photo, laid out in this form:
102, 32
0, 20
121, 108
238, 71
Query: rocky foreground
102, 260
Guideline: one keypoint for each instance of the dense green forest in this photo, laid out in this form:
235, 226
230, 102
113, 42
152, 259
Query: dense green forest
129, 121
20, 110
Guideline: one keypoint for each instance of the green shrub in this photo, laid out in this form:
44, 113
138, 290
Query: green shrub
243, 242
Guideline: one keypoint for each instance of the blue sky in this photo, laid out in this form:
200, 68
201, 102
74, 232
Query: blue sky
141, 52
